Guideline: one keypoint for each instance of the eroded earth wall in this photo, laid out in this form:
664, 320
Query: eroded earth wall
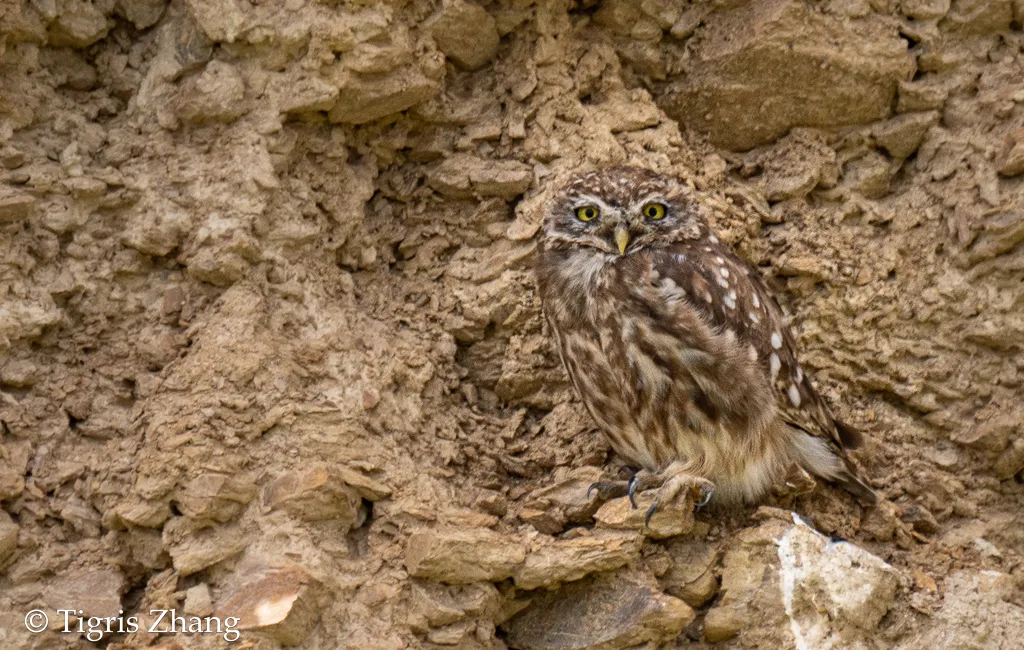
270, 344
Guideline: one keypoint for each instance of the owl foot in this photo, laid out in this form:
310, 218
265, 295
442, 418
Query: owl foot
668, 485
607, 490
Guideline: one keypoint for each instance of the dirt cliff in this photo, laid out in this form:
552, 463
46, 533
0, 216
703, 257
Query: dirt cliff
270, 345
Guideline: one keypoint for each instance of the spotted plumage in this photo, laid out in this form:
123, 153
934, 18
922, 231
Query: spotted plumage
676, 346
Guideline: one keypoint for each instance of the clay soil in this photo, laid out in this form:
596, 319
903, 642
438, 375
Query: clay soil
270, 342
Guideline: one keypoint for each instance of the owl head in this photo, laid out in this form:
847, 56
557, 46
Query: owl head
621, 210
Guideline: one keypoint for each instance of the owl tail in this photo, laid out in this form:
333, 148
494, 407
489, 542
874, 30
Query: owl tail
850, 480
850, 437
828, 460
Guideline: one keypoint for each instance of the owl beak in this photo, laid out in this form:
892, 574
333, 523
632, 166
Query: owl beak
621, 239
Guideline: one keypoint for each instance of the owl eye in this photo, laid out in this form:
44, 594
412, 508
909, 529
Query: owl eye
587, 213
655, 211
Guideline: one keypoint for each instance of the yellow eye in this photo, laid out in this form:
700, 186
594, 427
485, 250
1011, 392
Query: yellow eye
587, 213
654, 211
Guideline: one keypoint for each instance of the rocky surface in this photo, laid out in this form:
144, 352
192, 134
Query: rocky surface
270, 346
833, 593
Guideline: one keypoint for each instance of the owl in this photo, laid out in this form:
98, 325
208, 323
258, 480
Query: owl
677, 348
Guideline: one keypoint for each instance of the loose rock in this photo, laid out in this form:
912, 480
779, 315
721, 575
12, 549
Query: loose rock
15, 205
367, 98
746, 58
466, 33
143, 512
459, 556
142, 13
214, 96
198, 601
215, 497
78, 24
277, 601
832, 591
1011, 161
785, 576
924, 95
550, 509
368, 488
317, 494
8, 536
461, 175
609, 613
12, 472
552, 561
194, 550
304, 95
669, 520
902, 135
96, 592
692, 574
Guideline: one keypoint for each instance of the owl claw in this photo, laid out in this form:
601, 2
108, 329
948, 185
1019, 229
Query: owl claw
707, 491
650, 513
632, 491
607, 489
667, 484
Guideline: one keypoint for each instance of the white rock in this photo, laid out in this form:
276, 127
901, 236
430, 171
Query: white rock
833, 592
787, 581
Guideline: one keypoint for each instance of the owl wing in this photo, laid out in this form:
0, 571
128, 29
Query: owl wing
731, 296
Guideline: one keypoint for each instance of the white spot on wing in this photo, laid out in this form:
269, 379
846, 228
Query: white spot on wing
775, 365
713, 239
776, 340
757, 301
799, 374
722, 282
794, 395
730, 300
754, 318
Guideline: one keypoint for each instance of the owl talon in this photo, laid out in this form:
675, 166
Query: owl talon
650, 513
632, 490
607, 489
707, 491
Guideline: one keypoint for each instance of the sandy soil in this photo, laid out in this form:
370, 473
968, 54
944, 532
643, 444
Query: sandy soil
270, 344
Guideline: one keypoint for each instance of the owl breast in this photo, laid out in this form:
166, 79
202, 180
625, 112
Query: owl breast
660, 380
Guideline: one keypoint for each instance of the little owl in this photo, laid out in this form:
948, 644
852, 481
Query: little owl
677, 348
